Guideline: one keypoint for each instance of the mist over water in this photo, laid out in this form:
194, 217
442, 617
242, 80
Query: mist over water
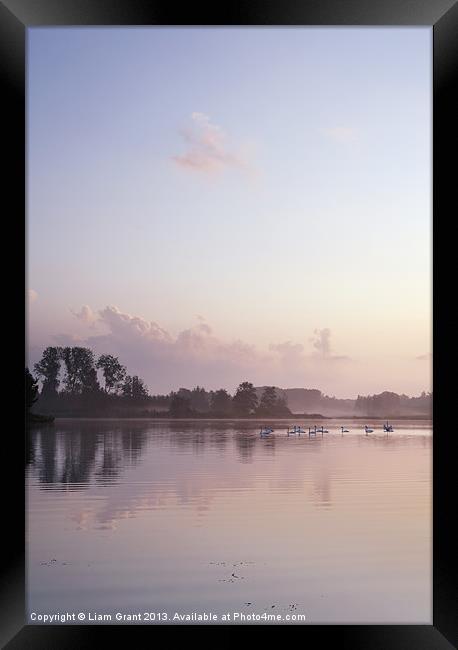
202, 516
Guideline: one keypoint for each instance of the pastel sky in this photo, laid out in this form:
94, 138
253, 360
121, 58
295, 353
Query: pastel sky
216, 205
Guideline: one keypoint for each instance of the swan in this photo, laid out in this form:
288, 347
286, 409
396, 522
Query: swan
322, 430
344, 430
368, 430
266, 431
295, 429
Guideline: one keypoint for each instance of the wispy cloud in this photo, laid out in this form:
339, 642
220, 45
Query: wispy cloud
289, 354
321, 341
340, 134
207, 150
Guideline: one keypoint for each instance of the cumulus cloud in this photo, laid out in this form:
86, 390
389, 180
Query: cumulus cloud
126, 326
85, 315
197, 355
207, 150
340, 134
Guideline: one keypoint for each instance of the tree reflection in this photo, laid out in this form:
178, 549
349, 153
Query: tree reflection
79, 456
81, 452
245, 444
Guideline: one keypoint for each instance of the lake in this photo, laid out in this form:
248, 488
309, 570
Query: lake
208, 517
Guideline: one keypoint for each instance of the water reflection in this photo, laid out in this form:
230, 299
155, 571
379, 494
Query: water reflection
78, 453
75, 455
137, 512
245, 446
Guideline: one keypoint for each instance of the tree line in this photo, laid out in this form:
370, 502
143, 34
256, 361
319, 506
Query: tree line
391, 404
219, 403
75, 382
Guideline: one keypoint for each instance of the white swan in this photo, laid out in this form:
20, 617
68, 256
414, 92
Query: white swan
368, 430
295, 429
344, 430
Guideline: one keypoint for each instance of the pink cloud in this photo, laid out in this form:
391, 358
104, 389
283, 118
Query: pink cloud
85, 315
206, 148
196, 355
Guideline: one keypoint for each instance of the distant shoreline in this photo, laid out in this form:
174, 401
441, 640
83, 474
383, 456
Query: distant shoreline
257, 419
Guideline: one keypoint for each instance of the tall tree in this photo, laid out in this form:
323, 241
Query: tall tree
245, 399
134, 388
268, 401
221, 402
113, 372
31, 389
48, 370
81, 375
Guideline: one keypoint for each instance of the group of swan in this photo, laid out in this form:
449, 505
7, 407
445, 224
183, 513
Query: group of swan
388, 428
265, 431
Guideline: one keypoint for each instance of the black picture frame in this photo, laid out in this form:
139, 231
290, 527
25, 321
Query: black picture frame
16, 16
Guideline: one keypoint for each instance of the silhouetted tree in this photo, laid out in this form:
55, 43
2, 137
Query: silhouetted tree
180, 407
185, 393
90, 382
199, 400
48, 370
80, 370
113, 372
31, 389
268, 401
221, 402
245, 400
134, 388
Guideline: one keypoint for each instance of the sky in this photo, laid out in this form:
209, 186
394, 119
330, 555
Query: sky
215, 205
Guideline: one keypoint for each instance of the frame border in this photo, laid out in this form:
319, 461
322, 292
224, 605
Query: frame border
16, 16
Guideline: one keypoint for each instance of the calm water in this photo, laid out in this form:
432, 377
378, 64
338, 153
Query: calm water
208, 517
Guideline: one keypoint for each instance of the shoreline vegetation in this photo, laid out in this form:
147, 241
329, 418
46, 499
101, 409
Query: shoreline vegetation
71, 382
294, 417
